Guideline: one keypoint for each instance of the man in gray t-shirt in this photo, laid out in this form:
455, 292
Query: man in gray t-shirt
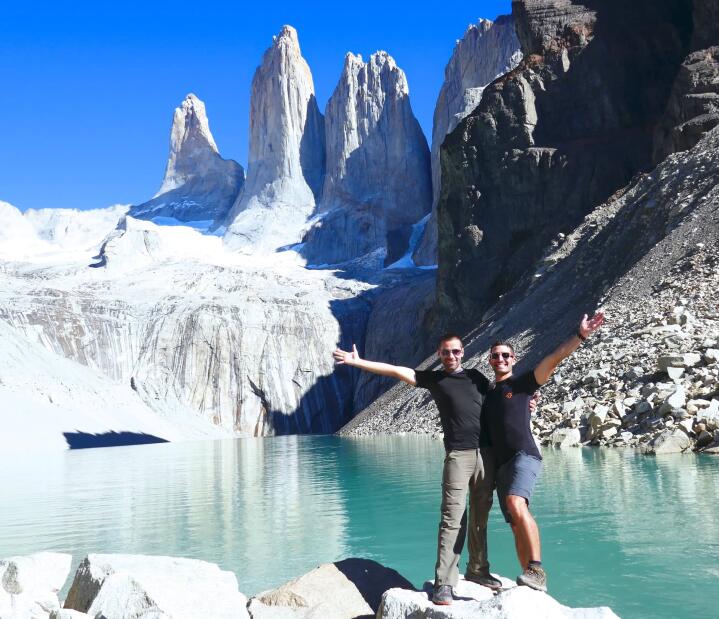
506, 429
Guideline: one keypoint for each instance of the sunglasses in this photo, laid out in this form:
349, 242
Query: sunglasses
497, 355
446, 352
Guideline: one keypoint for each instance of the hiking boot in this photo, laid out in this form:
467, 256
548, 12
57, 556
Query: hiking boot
442, 595
533, 577
486, 580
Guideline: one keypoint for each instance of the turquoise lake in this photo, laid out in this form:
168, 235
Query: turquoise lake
639, 534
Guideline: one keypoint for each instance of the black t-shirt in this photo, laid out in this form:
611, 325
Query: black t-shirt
459, 398
506, 418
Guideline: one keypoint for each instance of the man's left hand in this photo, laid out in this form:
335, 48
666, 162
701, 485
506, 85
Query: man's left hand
589, 325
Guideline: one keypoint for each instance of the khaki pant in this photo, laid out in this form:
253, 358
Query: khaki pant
473, 470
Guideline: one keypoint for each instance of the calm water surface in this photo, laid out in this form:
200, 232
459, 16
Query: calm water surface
636, 533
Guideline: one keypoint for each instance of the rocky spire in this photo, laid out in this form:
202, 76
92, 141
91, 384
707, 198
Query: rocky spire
286, 154
198, 183
377, 182
486, 51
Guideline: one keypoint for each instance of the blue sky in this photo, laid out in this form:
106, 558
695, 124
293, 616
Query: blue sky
89, 87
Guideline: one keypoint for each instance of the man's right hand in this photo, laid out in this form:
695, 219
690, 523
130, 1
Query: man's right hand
344, 357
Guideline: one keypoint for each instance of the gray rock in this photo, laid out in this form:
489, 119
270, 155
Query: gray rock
642, 407
675, 373
198, 185
30, 584
598, 415
667, 361
711, 356
565, 437
473, 601
609, 432
677, 399
710, 415
669, 441
128, 586
342, 590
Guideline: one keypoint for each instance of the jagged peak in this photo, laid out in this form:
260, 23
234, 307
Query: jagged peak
286, 36
482, 25
191, 114
353, 59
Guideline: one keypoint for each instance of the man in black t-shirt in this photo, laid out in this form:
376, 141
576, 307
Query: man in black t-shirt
459, 395
506, 429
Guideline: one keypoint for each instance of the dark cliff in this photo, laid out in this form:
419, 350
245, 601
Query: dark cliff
574, 122
586, 177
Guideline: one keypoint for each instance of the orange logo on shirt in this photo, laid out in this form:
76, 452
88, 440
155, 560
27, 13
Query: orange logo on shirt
508, 395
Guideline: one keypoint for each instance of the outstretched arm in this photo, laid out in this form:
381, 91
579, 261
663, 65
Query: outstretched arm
586, 327
383, 369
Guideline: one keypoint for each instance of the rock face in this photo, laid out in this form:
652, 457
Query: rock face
343, 590
286, 154
693, 107
199, 185
377, 182
552, 139
486, 51
29, 585
472, 600
120, 586
649, 256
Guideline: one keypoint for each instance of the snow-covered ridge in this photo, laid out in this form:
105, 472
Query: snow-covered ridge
166, 319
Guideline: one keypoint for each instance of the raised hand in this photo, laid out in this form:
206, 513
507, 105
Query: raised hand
342, 356
589, 325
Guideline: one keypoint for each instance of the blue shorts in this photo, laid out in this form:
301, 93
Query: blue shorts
517, 477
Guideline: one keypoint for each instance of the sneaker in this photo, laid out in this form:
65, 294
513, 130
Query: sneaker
442, 595
486, 580
533, 577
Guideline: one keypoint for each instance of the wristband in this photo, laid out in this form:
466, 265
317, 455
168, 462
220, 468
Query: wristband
580, 336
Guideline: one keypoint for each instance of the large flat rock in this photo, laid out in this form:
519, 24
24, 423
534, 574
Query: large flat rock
472, 601
128, 586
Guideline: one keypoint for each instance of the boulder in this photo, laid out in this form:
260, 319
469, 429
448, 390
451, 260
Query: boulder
670, 441
711, 356
598, 415
710, 415
704, 439
565, 437
128, 586
677, 399
473, 601
675, 373
342, 590
29, 585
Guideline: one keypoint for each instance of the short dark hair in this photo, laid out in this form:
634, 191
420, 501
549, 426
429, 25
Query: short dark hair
506, 343
450, 335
